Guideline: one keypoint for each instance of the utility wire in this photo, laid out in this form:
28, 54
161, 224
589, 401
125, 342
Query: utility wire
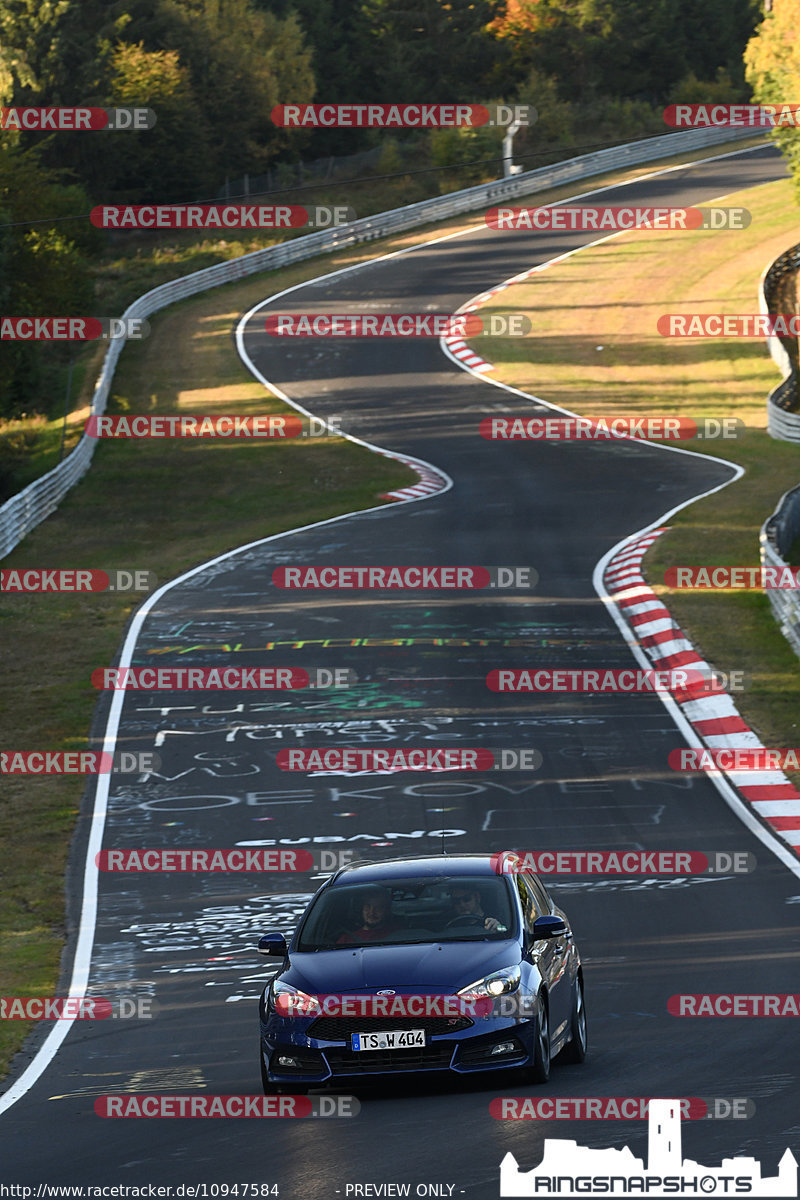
308, 187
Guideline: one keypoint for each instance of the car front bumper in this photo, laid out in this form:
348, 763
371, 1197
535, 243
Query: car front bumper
493, 1044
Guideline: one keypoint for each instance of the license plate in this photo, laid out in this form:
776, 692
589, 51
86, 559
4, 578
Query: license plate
388, 1039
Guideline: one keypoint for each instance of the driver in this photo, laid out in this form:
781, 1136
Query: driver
466, 902
376, 915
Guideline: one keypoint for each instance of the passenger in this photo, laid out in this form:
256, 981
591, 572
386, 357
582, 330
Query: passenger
376, 913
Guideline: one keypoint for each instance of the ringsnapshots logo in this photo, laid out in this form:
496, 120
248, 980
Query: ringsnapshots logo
397, 325
588, 218
220, 216
732, 116
60, 120
569, 1170
75, 579
401, 116
318, 576
604, 429
73, 329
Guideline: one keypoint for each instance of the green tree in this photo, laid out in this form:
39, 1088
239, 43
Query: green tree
429, 50
56, 51
214, 69
722, 90
342, 60
772, 61
461, 148
637, 49
171, 161
336, 32
43, 267
241, 63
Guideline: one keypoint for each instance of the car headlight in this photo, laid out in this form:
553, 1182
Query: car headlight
288, 1001
499, 983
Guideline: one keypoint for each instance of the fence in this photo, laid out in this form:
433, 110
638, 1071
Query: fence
23, 512
320, 170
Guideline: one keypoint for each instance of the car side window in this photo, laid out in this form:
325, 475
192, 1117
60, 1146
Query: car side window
528, 906
541, 900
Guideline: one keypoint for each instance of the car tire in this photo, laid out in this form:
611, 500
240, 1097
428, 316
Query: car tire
575, 1049
539, 1070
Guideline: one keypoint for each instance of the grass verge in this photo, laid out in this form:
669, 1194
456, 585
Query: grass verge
137, 261
615, 362
159, 506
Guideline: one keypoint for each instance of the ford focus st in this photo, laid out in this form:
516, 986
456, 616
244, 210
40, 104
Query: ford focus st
418, 965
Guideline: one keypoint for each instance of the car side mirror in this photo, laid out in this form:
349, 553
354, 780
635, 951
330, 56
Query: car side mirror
549, 927
272, 945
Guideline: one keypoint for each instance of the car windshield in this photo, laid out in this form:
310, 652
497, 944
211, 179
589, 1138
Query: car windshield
407, 912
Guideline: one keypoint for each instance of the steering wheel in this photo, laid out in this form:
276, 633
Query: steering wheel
465, 919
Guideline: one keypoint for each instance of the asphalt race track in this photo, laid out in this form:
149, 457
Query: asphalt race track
187, 942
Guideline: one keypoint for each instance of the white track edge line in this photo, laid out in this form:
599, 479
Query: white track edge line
83, 949
732, 798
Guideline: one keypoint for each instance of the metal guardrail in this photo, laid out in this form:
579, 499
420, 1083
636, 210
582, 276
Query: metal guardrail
783, 418
781, 529
777, 535
23, 512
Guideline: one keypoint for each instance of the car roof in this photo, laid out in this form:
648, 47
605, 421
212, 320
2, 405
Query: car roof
421, 865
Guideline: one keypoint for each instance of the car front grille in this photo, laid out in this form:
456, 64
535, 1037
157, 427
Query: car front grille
417, 1058
339, 1029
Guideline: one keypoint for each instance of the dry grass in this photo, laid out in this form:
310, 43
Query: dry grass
617, 364
128, 512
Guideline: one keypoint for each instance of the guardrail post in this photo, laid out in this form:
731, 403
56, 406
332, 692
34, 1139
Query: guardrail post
508, 150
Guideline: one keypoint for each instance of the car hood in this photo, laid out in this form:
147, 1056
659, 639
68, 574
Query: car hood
436, 966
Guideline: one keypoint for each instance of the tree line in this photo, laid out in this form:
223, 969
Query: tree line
212, 70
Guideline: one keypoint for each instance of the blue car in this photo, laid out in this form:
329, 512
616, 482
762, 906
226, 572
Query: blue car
474, 970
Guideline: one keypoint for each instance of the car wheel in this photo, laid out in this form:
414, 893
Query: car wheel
539, 1070
575, 1049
